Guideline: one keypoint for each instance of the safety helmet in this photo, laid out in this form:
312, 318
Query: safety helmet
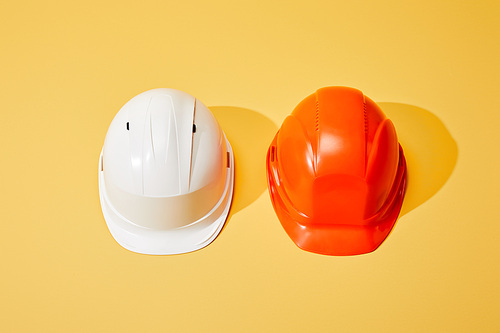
166, 174
336, 173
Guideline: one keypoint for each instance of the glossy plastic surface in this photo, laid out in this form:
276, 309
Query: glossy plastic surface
336, 173
166, 174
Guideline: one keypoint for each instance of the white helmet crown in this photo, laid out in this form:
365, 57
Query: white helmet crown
166, 174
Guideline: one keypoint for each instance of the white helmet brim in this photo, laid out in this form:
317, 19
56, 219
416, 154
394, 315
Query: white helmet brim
188, 238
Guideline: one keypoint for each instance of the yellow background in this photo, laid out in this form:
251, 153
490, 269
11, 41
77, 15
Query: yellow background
67, 67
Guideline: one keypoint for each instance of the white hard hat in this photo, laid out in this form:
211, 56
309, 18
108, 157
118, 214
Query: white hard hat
166, 174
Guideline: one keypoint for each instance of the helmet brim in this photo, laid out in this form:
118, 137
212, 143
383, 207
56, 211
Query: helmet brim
338, 239
190, 238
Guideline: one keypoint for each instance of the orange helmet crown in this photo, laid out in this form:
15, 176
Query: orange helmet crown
336, 173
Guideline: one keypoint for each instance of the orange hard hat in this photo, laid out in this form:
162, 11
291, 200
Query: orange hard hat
336, 173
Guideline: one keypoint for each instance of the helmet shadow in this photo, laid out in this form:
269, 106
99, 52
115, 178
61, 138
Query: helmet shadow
250, 134
430, 151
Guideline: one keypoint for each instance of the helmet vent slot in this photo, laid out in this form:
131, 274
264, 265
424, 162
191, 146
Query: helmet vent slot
273, 150
228, 157
194, 128
128, 126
